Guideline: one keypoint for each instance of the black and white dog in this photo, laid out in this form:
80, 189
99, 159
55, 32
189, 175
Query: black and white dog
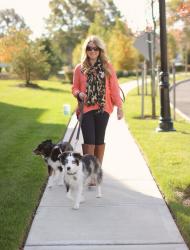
78, 170
50, 152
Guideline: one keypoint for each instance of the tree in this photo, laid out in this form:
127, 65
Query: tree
179, 11
69, 22
64, 43
152, 61
76, 56
96, 28
31, 63
172, 46
120, 48
12, 43
53, 58
76, 15
9, 19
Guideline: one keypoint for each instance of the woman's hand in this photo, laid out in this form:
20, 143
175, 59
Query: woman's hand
82, 96
119, 113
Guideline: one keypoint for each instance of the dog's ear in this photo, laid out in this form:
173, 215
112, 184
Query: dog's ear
54, 153
77, 156
62, 157
36, 151
48, 141
71, 147
66, 146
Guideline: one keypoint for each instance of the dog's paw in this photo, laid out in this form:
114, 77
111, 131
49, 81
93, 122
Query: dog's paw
76, 207
82, 199
69, 196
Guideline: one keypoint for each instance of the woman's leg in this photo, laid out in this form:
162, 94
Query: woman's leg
101, 122
88, 132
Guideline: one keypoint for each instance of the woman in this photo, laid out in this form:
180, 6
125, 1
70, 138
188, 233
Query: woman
95, 83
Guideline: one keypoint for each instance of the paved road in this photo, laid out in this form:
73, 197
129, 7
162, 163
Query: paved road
182, 98
131, 215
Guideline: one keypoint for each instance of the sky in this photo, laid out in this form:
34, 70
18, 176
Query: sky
135, 11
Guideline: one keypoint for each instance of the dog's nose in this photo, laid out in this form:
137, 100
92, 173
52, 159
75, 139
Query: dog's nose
68, 168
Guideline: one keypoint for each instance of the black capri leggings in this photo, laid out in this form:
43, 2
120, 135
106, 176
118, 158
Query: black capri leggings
94, 127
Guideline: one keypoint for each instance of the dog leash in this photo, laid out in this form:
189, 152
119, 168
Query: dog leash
81, 108
123, 95
79, 121
72, 134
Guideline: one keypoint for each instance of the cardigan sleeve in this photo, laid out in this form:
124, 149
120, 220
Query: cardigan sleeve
76, 81
114, 88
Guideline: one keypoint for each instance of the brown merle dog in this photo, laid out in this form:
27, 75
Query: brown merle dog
78, 170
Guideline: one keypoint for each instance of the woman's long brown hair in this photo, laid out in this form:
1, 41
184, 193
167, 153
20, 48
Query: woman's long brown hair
85, 64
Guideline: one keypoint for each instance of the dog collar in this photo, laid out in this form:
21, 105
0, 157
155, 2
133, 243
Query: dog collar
72, 173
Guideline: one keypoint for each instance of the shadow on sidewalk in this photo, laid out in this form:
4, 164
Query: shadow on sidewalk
123, 216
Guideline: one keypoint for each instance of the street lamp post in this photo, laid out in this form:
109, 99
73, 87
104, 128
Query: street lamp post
165, 123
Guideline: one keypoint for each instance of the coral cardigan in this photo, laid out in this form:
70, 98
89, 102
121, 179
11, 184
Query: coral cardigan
112, 96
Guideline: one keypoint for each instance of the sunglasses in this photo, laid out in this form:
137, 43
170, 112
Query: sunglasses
89, 48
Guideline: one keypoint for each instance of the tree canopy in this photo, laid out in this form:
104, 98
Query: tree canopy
69, 22
179, 11
9, 19
53, 58
31, 63
12, 43
120, 47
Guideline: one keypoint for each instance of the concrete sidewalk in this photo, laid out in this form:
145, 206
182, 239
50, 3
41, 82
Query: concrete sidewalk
131, 214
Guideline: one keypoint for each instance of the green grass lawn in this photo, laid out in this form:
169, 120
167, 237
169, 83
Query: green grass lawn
127, 79
167, 155
27, 117
179, 76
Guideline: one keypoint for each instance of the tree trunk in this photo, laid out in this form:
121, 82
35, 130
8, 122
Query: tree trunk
153, 56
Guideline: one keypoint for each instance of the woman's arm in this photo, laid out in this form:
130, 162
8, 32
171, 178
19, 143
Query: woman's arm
115, 92
76, 88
